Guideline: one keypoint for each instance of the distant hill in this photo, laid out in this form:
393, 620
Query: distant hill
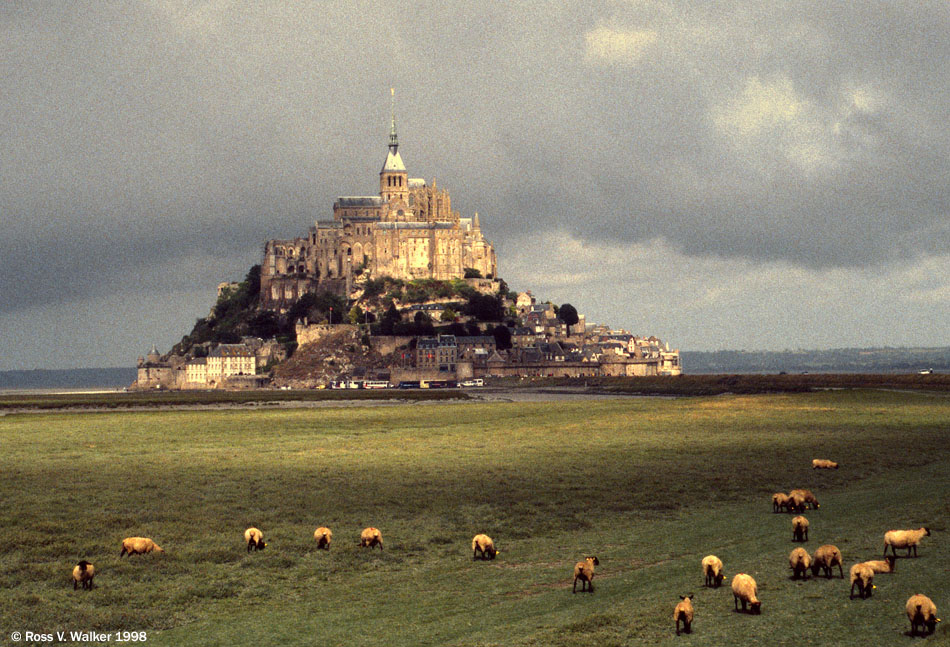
837, 360
74, 378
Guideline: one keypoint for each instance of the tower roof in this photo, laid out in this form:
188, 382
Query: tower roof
393, 162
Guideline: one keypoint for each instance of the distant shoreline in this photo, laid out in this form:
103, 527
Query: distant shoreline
888, 361
501, 389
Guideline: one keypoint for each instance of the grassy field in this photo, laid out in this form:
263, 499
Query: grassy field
650, 486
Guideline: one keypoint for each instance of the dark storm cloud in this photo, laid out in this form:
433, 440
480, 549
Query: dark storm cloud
136, 134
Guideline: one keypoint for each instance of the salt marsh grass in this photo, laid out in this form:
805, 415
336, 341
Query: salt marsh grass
649, 486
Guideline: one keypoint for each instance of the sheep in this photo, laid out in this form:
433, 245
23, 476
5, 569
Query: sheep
824, 558
138, 546
712, 570
83, 573
796, 502
371, 537
800, 529
584, 571
483, 544
823, 464
807, 497
904, 539
922, 612
254, 539
322, 535
745, 589
684, 613
779, 502
863, 576
799, 561
886, 565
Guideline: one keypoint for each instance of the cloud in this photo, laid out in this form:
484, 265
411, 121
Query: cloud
623, 46
705, 303
734, 134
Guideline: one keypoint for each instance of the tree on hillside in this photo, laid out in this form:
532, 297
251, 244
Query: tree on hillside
568, 314
472, 273
485, 307
302, 308
502, 337
457, 329
331, 306
253, 282
503, 290
448, 315
390, 318
264, 324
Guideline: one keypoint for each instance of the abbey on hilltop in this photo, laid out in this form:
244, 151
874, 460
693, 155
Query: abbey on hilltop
408, 231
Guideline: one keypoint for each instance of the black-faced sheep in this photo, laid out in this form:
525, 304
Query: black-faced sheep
684, 613
886, 565
483, 544
825, 558
922, 612
139, 546
584, 571
823, 464
863, 576
807, 497
371, 537
779, 502
254, 539
904, 539
745, 589
712, 571
83, 573
799, 561
799, 529
322, 536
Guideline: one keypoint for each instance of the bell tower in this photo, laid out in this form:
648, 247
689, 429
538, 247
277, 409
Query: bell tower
393, 179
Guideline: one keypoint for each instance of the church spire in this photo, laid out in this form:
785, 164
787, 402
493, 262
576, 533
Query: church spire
393, 139
393, 179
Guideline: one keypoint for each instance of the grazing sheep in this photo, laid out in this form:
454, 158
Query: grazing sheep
807, 497
825, 557
745, 589
712, 570
823, 464
371, 537
796, 502
484, 545
863, 576
684, 612
254, 539
799, 529
922, 612
323, 536
904, 539
779, 502
886, 565
799, 561
584, 571
138, 546
83, 573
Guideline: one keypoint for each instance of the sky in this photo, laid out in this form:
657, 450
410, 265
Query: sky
723, 175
